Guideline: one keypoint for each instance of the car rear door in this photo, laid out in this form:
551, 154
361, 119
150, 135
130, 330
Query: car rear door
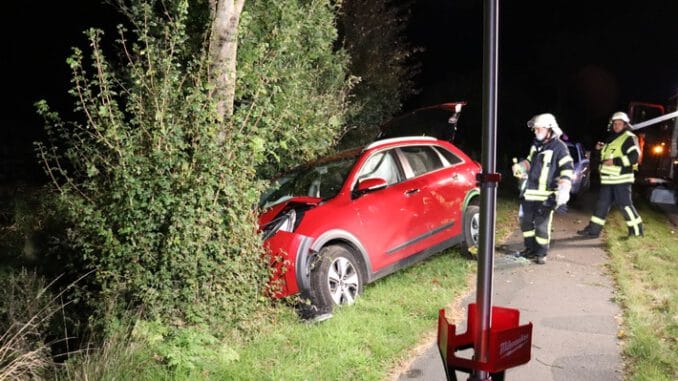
438, 207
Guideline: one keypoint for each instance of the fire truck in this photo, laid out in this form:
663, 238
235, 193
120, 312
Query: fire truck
656, 126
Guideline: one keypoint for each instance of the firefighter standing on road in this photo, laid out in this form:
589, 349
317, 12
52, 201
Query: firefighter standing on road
548, 173
618, 158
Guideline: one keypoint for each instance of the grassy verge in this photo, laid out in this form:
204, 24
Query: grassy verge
645, 271
367, 340
360, 342
507, 217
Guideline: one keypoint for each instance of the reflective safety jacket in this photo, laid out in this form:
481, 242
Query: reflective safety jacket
624, 151
549, 162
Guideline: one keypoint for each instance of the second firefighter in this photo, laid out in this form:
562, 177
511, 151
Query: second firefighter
618, 160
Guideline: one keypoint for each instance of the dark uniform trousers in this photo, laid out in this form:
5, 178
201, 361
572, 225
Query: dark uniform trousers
535, 223
619, 195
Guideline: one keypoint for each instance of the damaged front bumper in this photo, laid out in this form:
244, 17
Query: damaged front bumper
290, 257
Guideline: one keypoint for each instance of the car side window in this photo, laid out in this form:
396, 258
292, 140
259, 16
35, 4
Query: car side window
383, 165
451, 158
422, 159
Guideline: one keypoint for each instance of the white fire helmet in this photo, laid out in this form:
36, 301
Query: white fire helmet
545, 121
620, 116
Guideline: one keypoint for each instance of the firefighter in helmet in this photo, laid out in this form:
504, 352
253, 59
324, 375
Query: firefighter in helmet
618, 160
547, 173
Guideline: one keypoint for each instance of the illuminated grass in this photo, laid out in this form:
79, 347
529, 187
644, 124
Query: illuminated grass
645, 271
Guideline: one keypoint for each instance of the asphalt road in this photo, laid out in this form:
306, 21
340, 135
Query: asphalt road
569, 301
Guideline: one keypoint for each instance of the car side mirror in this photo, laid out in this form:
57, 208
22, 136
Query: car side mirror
369, 185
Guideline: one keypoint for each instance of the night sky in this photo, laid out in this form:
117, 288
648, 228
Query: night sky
581, 60
36, 40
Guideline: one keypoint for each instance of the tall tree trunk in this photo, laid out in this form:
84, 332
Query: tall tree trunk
222, 51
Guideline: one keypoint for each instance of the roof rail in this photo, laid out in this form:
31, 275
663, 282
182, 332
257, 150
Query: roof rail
398, 140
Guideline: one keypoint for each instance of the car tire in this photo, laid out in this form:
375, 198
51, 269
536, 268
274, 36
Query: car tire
336, 279
471, 231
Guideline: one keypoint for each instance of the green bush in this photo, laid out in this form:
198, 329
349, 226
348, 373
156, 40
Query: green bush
184, 350
160, 210
157, 207
292, 81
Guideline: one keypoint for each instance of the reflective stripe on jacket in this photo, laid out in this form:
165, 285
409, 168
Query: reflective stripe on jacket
549, 162
624, 151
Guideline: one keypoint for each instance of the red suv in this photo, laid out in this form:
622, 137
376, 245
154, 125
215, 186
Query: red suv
346, 220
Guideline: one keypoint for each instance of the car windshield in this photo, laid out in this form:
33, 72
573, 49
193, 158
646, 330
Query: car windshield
323, 180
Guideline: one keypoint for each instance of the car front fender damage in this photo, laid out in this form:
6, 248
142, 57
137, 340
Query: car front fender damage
290, 255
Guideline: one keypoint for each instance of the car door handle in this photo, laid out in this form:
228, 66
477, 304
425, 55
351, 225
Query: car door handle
410, 192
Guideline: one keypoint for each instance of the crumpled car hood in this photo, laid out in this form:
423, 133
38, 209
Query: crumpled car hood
275, 210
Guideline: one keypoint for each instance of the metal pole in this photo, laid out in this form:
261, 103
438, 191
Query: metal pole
488, 189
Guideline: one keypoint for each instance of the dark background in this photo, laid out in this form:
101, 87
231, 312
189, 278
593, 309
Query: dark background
580, 60
37, 37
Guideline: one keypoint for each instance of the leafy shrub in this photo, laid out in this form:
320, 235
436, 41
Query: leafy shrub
157, 207
292, 80
184, 350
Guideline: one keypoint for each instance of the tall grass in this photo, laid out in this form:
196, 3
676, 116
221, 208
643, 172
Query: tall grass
26, 309
115, 357
645, 271
31, 325
21, 358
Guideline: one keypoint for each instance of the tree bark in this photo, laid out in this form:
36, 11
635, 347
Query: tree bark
223, 49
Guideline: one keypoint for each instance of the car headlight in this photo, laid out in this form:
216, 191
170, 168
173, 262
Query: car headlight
285, 222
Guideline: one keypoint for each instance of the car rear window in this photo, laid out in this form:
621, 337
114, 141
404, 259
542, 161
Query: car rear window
451, 158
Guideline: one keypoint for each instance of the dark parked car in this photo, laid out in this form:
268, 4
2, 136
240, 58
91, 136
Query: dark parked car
338, 223
581, 180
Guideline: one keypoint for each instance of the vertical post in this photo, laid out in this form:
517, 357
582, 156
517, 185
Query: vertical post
488, 189
673, 154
